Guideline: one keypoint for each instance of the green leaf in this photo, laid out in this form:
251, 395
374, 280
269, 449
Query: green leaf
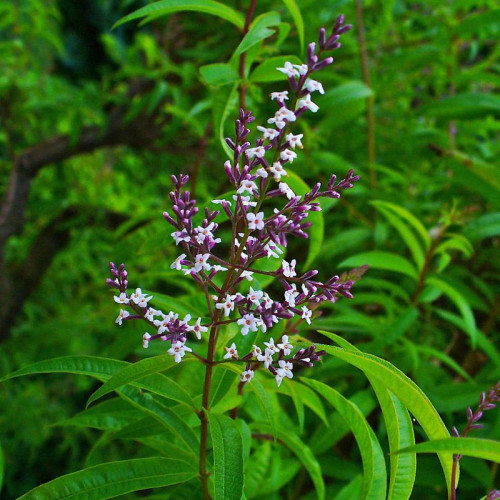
165, 7
228, 457
372, 456
294, 10
463, 106
471, 447
137, 371
180, 305
225, 99
2, 468
460, 301
219, 74
113, 479
266, 71
382, 260
222, 381
444, 358
345, 94
317, 230
259, 30
412, 397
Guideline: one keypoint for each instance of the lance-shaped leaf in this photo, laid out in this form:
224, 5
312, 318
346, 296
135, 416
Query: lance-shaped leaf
113, 479
382, 260
259, 30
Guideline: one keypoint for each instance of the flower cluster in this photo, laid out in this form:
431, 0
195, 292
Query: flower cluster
264, 212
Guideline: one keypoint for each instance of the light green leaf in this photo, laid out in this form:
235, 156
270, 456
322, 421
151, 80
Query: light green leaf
471, 447
113, 479
464, 106
165, 7
372, 456
317, 230
266, 71
137, 371
180, 305
2, 468
345, 94
219, 74
382, 260
228, 457
222, 381
444, 358
294, 10
259, 30
460, 301
405, 390
225, 99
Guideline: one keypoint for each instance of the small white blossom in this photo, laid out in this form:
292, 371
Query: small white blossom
306, 314
178, 350
247, 186
220, 202
247, 376
248, 324
262, 172
295, 140
307, 103
218, 268
303, 69
176, 264
281, 96
259, 152
145, 340
313, 85
289, 70
288, 155
197, 328
271, 347
245, 201
279, 377
272, 250
254, 296
180, 236
231, 352
290, 295
285, 345
247, 275
286, 190
122, 299
266, 358
139, 298
202, 232
282, 116
289, 268
269, 133
201, 262
286, 368
123, 314
227, 306
278, 171
151, 313
255, 221
257, 351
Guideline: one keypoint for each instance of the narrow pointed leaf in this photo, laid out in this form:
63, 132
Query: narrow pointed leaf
113, 479
228, 457
259, 30
294, 10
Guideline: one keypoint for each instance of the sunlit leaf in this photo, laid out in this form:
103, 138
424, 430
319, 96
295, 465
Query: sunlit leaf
259, 30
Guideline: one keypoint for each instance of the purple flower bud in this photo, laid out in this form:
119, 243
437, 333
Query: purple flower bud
322, 37
344, 29
112, 283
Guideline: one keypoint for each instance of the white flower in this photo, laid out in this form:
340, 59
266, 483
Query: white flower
269, 133
145, 340
123, 314
313, 85
271, 347
286, 368
248, 323
268, 301
281, 96
272, 250
197, 328
201, 262
220, 202
218, 268
285, 345
289, 269
302, 68
247, 275
259, 152
295, 140
248, 186
288, 155
254, 296
279, 377
306, 314
139, 298
257, 351
178, 350
151, 313
122, 299
231, 352
255, 221
290, 295
266, 358
227, 306
176, 264
307, 103
180, 236
245, 201
203, 232
282, 116
286, 190
277, 170
247, 376
288, 69
262, 172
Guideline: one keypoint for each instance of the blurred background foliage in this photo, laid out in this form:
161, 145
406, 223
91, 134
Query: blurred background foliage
94, 122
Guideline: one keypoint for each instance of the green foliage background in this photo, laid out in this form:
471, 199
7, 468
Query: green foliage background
429, 227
